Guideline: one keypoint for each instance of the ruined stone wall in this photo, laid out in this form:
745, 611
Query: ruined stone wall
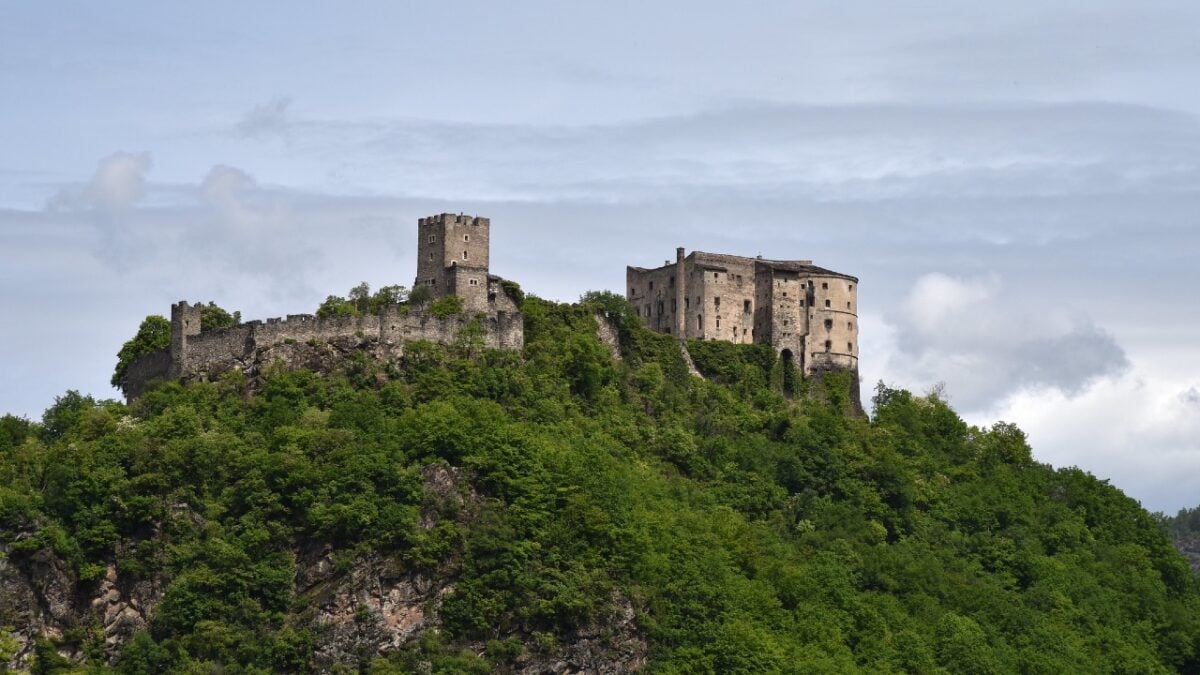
145, 369
652, 294
208, 354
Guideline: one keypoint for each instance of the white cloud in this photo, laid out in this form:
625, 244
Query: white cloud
1141, 431
118, 185
987, 343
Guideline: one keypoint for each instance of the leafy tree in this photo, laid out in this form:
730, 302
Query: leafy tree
420, 295
360, 301
447, 305
154, 333
212, 317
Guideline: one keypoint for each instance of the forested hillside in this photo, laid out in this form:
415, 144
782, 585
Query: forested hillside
560, 509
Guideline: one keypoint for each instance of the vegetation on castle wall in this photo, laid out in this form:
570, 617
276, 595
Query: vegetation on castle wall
154, 333
752, 531
360, 300
513, 290
213, 317
446, 306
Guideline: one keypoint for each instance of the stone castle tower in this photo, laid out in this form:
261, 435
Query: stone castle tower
807, 313
452, 258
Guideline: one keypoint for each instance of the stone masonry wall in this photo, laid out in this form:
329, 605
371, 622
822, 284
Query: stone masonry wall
793, 305
222, 349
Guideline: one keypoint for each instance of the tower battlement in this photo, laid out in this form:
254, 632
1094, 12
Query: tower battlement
452, 259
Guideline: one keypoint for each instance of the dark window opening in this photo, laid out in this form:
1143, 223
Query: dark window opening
828, 345
850, 347
827, 303
745, 306
717, 301
828, 324
651, 285
825, 286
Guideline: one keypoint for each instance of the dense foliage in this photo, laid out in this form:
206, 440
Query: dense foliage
360, 300
213, 316
154, 333
753, 531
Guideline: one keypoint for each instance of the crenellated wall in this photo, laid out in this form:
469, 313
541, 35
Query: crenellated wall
216, 351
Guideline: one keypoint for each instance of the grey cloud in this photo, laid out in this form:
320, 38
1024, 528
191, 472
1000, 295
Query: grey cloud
265, 119
1191, 397
987, 344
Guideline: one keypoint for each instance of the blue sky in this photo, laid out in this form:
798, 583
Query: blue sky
1016, 184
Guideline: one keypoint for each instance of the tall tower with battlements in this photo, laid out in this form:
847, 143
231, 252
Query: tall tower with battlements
452, 257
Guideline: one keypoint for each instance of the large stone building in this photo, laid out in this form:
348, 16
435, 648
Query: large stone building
453, 259
808, 313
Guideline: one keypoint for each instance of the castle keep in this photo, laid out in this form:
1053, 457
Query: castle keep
805, 312
452, 260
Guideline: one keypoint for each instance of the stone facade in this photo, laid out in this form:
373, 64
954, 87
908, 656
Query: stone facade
806, 312
452, 259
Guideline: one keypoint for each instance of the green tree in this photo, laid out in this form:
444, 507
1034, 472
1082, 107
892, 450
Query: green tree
154, 333
213, 316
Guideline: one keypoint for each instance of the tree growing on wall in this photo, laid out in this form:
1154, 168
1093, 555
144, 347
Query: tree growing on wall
154, 333
360, 301
213, 316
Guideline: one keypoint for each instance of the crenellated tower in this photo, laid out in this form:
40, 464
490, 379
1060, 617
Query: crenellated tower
452, 257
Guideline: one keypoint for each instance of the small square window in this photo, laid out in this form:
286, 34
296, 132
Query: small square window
432, 238
827, 304
828, 345
466, 237
464, 255
717, 301
850, 347
716, 275
745, 306
825, 286
828, 324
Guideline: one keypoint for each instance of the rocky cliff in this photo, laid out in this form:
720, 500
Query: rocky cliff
357, 609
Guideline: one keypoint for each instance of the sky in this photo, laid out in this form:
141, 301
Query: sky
1015, 184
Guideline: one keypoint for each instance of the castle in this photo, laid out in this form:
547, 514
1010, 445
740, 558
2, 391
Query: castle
807, 313
453, 253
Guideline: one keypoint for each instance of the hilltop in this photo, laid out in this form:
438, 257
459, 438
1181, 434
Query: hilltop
578, 505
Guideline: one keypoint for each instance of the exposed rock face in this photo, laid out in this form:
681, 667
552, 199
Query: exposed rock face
608, 645
36, 599
40, 596
357, 611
